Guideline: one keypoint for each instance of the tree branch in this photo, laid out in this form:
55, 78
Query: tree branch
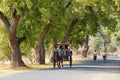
44, 34
67, 4
46, 29
24, 8
72, 25
20, 40
101, 34
14, 12
5, 20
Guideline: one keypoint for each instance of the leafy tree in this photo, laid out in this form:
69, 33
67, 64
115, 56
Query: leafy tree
10, 15
93, 15
53, 20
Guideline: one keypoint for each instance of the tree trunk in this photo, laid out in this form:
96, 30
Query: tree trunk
37, 51
40, 53
72, 25
104, 42
40, 50
104, 45
20, 61
85, 47
16, 60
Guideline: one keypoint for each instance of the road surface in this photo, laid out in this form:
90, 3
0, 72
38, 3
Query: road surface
84, 70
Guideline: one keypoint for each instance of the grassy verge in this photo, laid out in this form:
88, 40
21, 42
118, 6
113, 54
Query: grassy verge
7, 68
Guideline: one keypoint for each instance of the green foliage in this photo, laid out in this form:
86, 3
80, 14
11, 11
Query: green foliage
92, 15
111, 48
4, 45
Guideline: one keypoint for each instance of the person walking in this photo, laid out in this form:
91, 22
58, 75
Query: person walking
68, 55
104, 56
94, 55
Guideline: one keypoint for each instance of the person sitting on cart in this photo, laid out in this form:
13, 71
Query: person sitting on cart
55, 54
60, 54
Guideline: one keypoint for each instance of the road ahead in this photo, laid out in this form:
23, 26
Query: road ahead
85, 70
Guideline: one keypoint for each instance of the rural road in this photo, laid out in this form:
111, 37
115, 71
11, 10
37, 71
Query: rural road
85, 70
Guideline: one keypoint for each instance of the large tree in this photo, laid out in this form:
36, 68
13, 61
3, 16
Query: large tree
11, 24
92, 16
52, 20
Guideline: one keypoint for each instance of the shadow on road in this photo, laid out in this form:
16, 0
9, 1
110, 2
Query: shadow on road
103, 69
89, 65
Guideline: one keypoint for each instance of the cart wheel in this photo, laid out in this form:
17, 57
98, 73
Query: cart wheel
54, 63
70, 61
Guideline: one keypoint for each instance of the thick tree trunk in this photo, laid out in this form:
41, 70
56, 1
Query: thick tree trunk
16, 60
37, 51
72, 25
85, 47
40, 50
20, 61
40, 53
14, 54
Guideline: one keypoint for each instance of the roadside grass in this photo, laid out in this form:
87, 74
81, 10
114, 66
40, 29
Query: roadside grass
6, 68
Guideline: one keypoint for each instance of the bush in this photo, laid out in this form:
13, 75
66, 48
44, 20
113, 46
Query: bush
112, 49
